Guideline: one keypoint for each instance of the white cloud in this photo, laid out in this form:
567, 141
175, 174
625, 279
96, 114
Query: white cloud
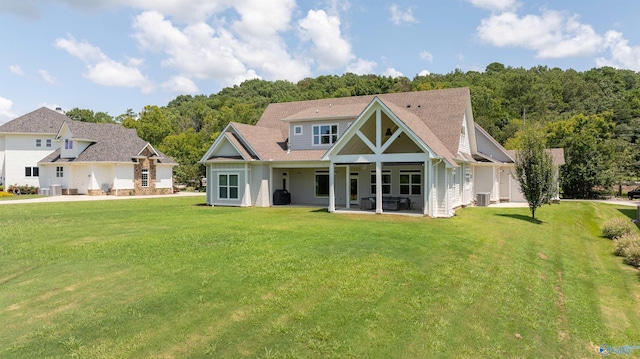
103, 70
180, 84
362, 67
203, 52
497, 5
47, 77
622, 54
16, 69
329, 48
6, 113
390, 71
400, 17
552, 35
425, 55
424, 73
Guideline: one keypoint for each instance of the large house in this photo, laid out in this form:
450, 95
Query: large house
46, 149
417, 151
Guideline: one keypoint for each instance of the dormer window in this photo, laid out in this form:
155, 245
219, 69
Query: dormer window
297, 130
325, 134
68, 144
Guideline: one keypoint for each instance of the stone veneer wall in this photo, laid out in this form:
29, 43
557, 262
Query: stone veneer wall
137, 175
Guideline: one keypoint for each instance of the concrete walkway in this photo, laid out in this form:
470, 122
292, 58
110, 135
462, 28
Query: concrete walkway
616, 201
78, 198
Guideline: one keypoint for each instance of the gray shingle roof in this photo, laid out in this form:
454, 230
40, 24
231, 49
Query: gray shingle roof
40, 121
436, 115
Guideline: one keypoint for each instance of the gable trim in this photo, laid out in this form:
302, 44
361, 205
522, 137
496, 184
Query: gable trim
354, 130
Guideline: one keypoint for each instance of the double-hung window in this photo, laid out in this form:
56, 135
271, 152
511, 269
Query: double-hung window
228, 186
410, 182
48, 142
38, 142
325, 134
59, 171
145, 177
68, 144
386, 182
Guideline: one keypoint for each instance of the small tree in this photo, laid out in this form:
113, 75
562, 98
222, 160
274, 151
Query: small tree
534, 170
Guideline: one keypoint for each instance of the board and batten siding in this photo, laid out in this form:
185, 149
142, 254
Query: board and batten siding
213, 172
304, 141
464, 145
442, 191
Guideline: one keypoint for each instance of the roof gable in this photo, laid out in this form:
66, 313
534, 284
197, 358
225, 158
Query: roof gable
40, 121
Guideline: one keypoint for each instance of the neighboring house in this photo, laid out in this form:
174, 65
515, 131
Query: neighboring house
84, 158
26, 140
366, 152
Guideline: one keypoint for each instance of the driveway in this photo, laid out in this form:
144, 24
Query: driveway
77, 198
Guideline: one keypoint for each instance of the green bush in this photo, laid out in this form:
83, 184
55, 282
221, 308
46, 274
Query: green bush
626, 241
616, 228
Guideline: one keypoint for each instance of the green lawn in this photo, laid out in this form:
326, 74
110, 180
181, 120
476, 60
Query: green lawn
169, 278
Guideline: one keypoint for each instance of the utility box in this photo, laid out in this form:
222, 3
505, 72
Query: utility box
56, 190
483, 199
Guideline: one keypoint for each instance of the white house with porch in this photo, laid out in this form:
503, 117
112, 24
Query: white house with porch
418, 152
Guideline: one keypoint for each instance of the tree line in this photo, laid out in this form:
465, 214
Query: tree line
594, 115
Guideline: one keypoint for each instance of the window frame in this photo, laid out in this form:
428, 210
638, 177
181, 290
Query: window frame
295, 130
68, 144
332, 137
411, 184
383, 173
48, 142
59, 172
27, 171
228, 186
38, 142
144, 177
315, 187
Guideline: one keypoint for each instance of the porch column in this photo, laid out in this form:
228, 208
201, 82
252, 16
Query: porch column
332, 193
348, 186
378, 187
426, 183
246, 197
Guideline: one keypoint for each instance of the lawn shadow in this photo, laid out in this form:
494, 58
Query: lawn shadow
631, 213
521, 217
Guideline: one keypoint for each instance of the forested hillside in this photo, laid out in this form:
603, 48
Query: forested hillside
594, 115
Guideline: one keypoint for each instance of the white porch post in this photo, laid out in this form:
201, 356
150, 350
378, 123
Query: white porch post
246, 198
348, 186
332, 193
428, 179
378, 187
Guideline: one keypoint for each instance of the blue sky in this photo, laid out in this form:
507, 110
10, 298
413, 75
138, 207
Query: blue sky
114, 55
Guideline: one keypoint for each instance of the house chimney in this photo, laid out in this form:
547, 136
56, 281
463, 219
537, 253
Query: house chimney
59, 110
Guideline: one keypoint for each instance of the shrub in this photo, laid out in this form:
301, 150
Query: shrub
5, 194
632, 254
15, 189
616, 228
626, 241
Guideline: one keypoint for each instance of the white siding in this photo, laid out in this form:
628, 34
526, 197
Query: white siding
164, 176
464, 145
123, 177
442, 191
20, 152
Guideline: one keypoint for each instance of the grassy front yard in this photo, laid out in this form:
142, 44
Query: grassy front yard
167, 278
